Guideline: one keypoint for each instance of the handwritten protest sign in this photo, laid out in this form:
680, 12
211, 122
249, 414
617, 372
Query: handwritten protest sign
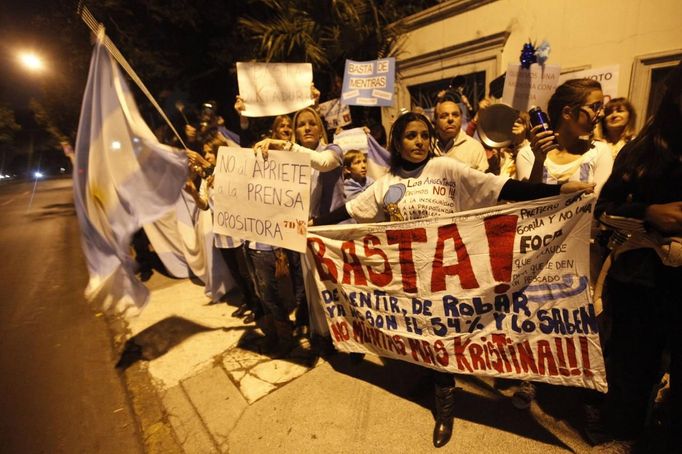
369, 83
264, 201
607, 76
335, 113
525, 88
274, 88
500, 291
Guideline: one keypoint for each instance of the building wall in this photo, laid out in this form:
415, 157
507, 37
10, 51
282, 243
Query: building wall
582, 34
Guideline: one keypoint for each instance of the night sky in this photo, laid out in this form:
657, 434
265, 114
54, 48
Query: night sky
17, 32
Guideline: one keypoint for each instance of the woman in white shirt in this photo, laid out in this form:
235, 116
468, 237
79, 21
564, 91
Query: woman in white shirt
414, 172
568, 152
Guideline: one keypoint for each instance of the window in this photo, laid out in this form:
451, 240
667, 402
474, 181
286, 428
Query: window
648, 74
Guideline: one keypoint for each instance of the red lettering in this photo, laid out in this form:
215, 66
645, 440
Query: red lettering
340, 331
423, 349
545, 357
526, 357
585, 354
500, 342
460, 348
325, 266
476, 353
399, 344
441, 353
501, 232
560, 356
404, 240
572, 359
352, 264
463, 268
383, 278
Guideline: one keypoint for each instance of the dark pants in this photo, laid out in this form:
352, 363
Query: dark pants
645, 321
235, 259
443, 379
266, 283
296, 275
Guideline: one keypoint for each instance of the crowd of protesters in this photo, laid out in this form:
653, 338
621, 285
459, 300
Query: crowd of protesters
591, 147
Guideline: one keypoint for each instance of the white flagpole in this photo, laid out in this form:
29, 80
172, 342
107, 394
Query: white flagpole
98, 29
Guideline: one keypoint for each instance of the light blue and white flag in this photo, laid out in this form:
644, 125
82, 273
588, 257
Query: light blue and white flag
123, 178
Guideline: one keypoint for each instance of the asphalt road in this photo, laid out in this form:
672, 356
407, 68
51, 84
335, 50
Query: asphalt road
59, 390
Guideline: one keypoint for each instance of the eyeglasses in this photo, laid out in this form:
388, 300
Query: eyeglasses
595, 107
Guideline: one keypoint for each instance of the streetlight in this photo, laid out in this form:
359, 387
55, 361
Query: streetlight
31, 61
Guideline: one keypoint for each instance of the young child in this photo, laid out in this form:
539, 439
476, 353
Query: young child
355, 174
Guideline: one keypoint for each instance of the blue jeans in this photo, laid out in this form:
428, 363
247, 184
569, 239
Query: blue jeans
236, 261
266, 283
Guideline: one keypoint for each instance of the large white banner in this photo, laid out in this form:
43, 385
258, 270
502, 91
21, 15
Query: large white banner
525, 88
274, 88
262, 200
501, 292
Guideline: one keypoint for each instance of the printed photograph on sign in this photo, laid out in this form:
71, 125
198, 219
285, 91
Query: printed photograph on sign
335, 113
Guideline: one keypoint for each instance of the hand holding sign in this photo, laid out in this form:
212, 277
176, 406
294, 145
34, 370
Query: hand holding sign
271, 144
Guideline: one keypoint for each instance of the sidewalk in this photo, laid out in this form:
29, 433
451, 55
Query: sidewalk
216, 394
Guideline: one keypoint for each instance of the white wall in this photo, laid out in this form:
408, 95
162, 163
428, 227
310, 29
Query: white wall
581, 33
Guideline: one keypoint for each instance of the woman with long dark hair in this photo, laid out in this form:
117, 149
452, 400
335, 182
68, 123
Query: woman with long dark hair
642, 290
413, 163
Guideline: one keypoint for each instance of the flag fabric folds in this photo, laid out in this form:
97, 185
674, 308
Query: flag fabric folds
378, 159
123, 178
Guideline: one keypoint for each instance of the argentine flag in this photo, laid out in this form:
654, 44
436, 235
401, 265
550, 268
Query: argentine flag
123, 178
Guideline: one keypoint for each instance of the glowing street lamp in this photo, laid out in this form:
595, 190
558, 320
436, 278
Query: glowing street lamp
31, 61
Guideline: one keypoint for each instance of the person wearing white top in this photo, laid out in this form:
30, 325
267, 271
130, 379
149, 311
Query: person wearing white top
406, 194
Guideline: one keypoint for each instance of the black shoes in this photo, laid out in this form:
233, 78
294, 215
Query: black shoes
241, 311
445, 418
442, 432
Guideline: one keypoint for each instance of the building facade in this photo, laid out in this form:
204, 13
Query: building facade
477, 39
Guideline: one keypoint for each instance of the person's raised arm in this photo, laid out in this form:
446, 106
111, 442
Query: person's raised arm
322, 161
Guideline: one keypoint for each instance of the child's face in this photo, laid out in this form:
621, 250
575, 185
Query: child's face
358, 168
210, 155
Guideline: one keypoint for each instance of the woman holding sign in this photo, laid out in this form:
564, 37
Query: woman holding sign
414, 169
326, 189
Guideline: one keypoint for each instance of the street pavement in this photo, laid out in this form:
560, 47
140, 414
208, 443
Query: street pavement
218, 394
59, 390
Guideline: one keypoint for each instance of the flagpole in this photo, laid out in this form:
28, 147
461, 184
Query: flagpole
98, 29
